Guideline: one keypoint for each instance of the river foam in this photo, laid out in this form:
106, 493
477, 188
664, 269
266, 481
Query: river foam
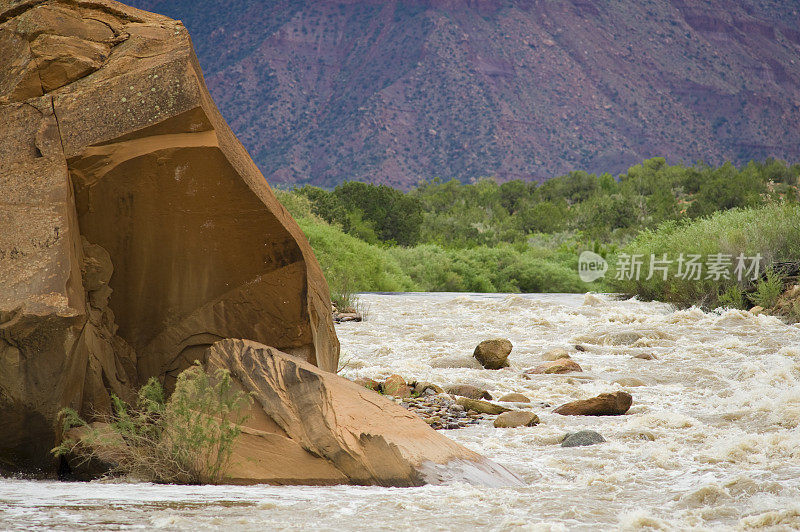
712, 440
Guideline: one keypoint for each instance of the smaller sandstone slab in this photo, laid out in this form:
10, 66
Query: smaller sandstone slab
493, 354
514, 398
562, 365
516, 418
482, 407
467, 390
605, 404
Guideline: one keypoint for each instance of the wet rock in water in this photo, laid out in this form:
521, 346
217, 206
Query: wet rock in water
467, 390
562, 365
482, 407
757, 310
555, 354
493, 354
629, 381
646, 356
396, 386
342, 317
605, 404
314, 427
370, 384
423, 388
582, 438
516, 418
581, 348
514, 398
108, 134
439, 411
456, 361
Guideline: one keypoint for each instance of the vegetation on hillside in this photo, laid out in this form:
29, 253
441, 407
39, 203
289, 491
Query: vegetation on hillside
735, 237
522, 236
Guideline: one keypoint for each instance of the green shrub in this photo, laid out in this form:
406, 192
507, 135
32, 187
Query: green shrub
733, 297
187, 439
768, 290
773, 232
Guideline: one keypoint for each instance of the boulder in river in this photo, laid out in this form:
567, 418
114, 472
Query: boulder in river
135, 229
629, 381
423, 388
481, 407
605, 404
562, 365
514, 398
467, 390
313, 427
493, 354
395, 385
516, 418
582, 438
555, 354
136, 233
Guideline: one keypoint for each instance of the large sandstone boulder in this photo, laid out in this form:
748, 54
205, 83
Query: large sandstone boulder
136, 231
493, 354
605, 404
314, 427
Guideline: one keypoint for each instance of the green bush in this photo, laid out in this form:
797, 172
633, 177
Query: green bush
187, 439
773, 232
768, 290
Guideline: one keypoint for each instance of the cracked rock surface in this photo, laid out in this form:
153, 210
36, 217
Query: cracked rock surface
135, 230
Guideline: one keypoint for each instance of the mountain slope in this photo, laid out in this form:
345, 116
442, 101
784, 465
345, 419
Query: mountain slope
392, 92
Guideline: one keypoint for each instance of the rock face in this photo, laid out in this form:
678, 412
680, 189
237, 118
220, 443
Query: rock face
493, 354
512, 77
136, 231
333, 430
605, 404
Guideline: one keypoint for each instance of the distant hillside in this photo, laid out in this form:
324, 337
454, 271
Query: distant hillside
321, 91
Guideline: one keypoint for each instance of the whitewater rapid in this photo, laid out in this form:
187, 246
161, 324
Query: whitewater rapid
711, 441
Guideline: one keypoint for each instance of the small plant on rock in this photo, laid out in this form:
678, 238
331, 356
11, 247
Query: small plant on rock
187, 439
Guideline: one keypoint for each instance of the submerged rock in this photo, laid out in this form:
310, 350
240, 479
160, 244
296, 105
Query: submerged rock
493, 354
514, 398
314, 427
481, 407
555, 354
562, 365
516, 418
467, 390
605, 404
582, 438
108, 134
629, 381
